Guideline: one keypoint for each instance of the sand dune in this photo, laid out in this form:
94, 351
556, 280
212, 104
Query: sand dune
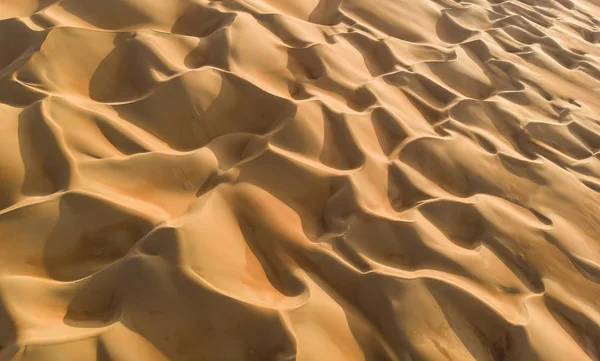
309, 180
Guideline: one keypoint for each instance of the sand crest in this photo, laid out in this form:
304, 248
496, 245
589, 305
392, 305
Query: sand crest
310, 180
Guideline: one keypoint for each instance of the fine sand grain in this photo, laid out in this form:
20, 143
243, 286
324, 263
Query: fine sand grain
310, 180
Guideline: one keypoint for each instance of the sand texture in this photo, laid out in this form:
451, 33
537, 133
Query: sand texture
310, 180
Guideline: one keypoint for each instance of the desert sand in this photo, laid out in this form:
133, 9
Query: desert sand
311, 180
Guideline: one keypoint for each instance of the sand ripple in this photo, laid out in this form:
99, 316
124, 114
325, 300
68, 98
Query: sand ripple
300, 180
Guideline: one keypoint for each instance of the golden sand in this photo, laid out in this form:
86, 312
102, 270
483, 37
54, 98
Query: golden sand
310, 180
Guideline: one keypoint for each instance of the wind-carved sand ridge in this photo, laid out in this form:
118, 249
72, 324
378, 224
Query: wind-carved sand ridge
306, 180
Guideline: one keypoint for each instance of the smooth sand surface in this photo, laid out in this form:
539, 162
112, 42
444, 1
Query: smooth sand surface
311, 180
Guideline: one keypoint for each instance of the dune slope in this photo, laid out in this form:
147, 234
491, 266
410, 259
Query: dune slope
315, 180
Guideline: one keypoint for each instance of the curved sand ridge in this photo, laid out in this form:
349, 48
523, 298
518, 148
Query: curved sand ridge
300, 180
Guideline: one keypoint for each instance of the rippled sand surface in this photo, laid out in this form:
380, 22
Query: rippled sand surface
311, 180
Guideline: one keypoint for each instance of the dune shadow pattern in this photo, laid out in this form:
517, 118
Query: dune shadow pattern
277, 180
